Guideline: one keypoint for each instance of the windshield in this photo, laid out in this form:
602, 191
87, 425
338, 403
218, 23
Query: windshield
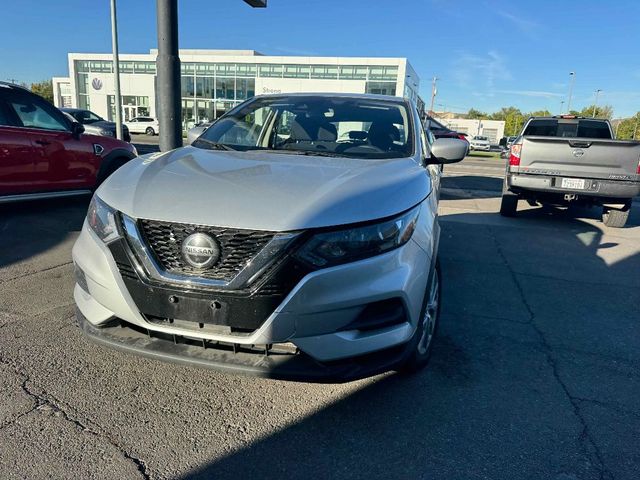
322, 125
480, 138
568, 128
85, 116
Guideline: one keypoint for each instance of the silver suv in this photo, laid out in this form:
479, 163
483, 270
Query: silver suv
269, 246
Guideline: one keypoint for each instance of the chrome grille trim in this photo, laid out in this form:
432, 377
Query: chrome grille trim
268, 255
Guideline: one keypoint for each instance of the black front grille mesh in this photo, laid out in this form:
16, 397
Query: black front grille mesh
237, 247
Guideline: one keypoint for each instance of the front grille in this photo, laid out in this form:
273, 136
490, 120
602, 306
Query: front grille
237, 247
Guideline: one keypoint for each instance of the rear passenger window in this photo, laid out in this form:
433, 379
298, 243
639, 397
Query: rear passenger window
593, 129
568, 128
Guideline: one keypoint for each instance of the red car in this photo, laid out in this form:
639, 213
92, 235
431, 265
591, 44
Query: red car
43, 154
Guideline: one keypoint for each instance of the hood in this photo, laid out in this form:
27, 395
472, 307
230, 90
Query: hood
263, 191
102, 124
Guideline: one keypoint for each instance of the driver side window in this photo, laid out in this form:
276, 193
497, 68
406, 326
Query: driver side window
33, 115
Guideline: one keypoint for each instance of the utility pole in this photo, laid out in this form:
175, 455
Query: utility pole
572, 78
434, 92
595, 105
169, 104
168, 65
116, 70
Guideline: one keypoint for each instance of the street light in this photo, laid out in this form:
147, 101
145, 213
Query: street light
116, 70
168, 66
561, 107
434, 92
572, 79
595, 104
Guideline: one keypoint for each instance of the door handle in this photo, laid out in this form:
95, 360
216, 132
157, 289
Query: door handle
43, 142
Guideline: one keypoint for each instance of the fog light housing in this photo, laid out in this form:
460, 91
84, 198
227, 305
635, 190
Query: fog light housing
81, 279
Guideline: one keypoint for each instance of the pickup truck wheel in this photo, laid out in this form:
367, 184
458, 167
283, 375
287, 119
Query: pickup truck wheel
421, 344
508, 205
150, 131
615, 218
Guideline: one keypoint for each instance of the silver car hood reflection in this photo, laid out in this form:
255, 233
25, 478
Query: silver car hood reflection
264, 190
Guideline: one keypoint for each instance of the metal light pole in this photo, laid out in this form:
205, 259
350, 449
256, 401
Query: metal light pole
561, 107
434, 92
116, 69
595, 105
168, 65
169, 102
571, 81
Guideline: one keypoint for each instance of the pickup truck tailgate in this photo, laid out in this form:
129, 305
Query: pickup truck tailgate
580, 157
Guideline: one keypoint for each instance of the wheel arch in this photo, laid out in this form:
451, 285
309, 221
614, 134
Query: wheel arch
111, 162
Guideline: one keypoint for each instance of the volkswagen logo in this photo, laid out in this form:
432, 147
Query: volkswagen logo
578, 153
200, 250
96, 83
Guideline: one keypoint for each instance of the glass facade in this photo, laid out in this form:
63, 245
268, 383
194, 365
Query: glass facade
267, 70
132, 106
208, 90
381, 88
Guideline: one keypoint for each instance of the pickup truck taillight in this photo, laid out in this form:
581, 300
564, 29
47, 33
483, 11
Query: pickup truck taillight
514, 154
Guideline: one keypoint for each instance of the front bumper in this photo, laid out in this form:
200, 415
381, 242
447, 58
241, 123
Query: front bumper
295, 366
483, 148
315, 317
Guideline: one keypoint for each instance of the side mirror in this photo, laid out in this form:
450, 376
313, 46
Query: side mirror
77, 129
448, 150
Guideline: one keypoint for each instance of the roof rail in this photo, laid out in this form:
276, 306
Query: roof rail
13, 85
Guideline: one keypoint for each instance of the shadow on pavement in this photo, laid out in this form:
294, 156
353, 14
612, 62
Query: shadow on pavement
522, 325
28, 229
491, 185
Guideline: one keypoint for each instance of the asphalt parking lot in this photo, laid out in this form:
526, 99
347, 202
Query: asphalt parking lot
536, 373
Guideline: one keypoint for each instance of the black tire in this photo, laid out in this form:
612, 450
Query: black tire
509, 204
420, 347
615, 218
150, 131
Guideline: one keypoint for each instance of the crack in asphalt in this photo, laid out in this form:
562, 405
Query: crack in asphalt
608, 406
569, 280
44, 400
18, 277
585, 435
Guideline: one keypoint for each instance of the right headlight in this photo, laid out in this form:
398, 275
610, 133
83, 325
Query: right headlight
327, 249
102, 220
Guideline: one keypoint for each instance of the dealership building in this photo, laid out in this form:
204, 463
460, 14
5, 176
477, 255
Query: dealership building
214, 81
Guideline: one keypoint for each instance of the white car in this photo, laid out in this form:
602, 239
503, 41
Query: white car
145, 125
279, 254
480, 143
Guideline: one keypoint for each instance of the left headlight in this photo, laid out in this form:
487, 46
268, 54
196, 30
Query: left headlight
327, 249
102, 220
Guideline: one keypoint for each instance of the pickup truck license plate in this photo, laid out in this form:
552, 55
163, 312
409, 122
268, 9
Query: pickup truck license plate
575, 183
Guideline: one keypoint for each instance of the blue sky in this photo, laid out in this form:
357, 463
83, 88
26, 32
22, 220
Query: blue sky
487, 54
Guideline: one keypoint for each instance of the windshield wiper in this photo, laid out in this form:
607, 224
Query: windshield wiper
315, 153
214, 145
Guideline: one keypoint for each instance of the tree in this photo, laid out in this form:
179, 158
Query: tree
540, 113
603, 111
628, 128
44, 89
474, 114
